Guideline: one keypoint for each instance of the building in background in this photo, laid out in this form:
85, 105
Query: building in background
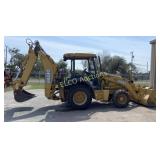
153, 64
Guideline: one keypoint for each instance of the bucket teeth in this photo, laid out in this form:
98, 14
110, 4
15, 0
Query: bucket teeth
22, 95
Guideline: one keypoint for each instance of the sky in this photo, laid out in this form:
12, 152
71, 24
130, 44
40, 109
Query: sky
122, 46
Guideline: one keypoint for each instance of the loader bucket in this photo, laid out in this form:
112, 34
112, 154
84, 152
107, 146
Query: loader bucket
148, 97
22, 95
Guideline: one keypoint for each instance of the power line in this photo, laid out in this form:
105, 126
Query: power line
139, 64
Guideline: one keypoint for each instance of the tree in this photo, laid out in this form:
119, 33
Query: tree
114, 64
132, 67
62, 67
118, 64
16, 57
62, 64
105, 63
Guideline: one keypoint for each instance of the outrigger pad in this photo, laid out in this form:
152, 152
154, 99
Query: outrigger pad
22, 95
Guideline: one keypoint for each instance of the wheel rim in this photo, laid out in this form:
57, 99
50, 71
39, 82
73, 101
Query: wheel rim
122, 99
80, 98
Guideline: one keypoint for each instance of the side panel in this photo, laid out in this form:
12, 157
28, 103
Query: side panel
101, 95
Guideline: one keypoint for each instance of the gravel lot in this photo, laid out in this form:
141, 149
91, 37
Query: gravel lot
40, 109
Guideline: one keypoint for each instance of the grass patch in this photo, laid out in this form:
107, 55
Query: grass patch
30, 85
35, 85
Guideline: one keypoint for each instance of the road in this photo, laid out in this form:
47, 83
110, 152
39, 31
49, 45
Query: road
40, 109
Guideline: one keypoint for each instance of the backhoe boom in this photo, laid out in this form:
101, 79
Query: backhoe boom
50, 68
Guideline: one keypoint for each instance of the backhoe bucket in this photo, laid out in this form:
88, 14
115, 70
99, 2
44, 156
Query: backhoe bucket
22, 95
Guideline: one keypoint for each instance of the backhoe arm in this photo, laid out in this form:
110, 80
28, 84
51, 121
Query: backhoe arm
51, 72
26, 70
21, 95
50, 69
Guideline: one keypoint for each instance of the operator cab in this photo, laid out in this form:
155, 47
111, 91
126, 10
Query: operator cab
92, 65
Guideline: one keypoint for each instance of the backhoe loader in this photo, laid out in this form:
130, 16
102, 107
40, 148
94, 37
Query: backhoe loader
79, 89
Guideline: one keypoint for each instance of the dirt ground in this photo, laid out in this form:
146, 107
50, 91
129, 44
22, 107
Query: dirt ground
40, 109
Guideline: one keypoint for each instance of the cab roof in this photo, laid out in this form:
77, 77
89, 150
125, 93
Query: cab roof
72, 56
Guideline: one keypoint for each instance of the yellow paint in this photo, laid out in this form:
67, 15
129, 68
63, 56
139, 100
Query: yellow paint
101, 95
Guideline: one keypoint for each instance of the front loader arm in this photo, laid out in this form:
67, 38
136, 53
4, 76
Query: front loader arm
138, 94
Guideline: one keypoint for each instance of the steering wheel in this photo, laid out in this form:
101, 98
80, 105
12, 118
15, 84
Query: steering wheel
86, 72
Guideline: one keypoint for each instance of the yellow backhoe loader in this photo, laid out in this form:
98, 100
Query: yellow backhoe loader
79, 89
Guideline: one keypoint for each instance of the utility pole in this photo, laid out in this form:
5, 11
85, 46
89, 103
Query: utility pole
147, 67
6, 52
147, 72
132, 57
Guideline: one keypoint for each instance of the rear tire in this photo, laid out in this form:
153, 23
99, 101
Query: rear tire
120, 99
79, 97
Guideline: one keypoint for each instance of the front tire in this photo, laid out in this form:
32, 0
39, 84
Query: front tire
79, 97
121, 99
